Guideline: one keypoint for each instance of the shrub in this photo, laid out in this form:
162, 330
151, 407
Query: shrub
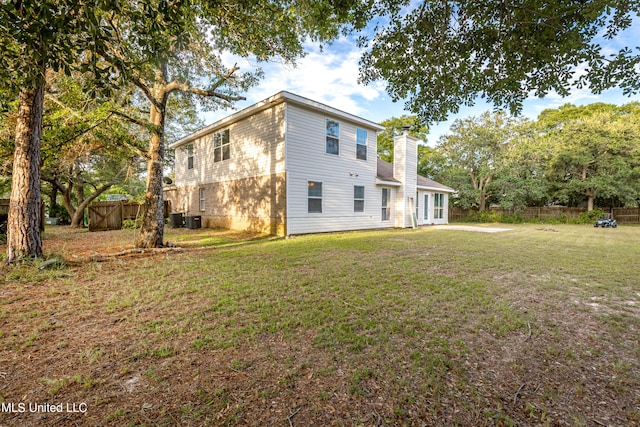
588, 217
561, 218
60, 212
132, 224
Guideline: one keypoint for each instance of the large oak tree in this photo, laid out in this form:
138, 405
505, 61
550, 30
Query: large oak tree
595, 152
475, 153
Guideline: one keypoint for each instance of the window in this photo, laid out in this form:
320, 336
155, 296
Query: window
361, 144
438, 206
426, 206
314, 193
333, 137
190, 156
358, 198
221, 148
386, 198
202, 199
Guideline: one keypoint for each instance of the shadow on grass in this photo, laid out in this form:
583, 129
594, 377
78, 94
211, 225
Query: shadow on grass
208, 238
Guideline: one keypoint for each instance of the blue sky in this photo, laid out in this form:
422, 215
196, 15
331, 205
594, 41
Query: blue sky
330, 76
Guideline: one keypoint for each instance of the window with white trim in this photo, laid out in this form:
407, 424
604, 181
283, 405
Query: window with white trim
221, 146
314, 197
426, 206
438, 206
202, 199
361, 144
386, 201
190, 156
358, 198
333, 137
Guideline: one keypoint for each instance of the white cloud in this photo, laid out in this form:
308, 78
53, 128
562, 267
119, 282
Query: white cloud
327, 76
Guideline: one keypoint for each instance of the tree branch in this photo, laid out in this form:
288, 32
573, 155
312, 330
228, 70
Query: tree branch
182, 87
89, 129
142, 123
212, 91
116, 55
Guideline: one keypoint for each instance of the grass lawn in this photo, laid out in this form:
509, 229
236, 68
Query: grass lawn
532, 326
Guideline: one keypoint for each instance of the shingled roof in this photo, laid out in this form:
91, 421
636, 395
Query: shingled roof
385, 173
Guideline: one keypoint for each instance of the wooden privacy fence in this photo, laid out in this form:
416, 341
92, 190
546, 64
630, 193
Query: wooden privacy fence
627, 215
111, 215
621, 215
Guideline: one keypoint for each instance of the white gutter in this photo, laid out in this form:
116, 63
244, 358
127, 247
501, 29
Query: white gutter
390, 183
442, 190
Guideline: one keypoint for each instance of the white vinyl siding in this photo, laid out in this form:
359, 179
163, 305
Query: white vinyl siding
256, 148
307, 160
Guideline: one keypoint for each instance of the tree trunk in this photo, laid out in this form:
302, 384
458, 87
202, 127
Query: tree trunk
482, 184
66, 198
591, 197
152, 231
482, 204
77, 219
23, 229
53, 198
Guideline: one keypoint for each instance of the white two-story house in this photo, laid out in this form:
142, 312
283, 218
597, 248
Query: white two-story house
289, 165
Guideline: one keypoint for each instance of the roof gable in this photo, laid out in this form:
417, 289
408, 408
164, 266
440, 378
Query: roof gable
278, 98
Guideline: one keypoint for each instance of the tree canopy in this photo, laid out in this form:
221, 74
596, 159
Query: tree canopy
571, 155
440, 55
596, 151
475, 152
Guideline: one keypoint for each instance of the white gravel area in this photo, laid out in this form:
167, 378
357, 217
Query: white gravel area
471, 228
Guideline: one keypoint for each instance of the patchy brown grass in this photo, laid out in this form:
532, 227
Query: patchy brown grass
396, 327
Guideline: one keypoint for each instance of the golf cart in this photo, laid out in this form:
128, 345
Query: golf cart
605, 221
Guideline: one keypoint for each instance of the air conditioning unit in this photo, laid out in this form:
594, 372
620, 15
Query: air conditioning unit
176, 219
193, 221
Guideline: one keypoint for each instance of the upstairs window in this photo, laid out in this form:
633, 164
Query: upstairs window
221, 147
190, 156
314, 196
361, 144
358, 198
333, 137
